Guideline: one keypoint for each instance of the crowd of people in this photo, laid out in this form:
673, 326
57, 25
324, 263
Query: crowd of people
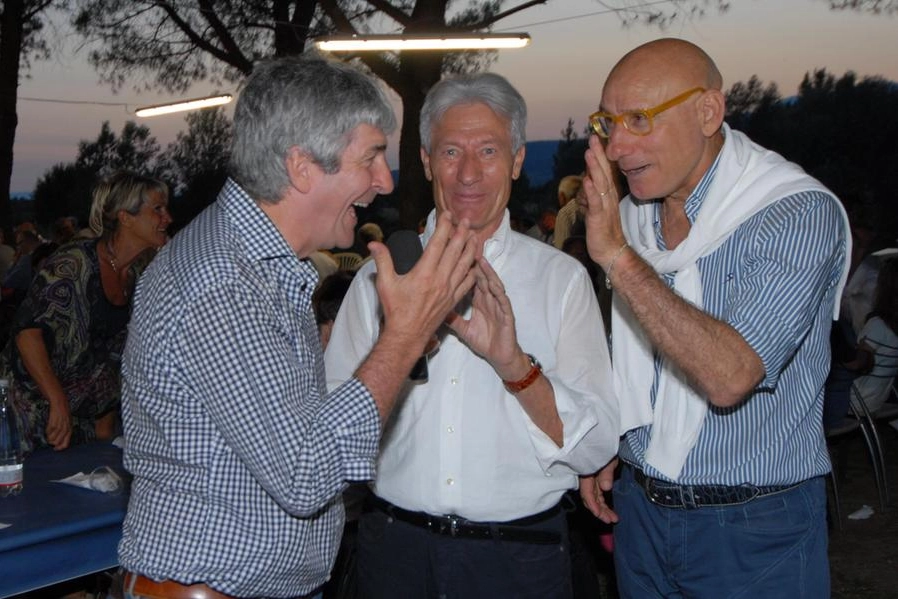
667, 368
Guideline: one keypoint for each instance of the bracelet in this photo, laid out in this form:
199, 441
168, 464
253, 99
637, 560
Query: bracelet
617, 254
529, 378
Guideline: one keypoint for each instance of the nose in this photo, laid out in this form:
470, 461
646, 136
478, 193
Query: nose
618, 143
166, 218
469, 169
382, 179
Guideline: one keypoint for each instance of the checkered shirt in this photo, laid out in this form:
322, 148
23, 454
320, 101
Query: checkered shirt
239, 454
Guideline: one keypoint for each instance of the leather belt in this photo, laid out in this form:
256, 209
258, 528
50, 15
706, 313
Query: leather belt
517, 531
138, 585
668, 494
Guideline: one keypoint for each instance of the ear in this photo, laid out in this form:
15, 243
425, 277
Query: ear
711, 111
300, 169
518, 162
425, 159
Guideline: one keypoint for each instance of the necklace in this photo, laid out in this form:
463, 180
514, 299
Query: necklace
110, 257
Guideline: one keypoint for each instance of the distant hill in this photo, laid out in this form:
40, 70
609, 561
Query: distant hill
20, 195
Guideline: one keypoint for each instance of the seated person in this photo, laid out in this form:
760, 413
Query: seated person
872, 367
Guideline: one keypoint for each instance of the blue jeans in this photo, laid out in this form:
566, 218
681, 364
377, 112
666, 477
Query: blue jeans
773, 546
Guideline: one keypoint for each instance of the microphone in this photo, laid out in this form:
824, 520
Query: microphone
405, 249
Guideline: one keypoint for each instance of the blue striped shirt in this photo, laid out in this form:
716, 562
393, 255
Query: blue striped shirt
238, 452
774, 280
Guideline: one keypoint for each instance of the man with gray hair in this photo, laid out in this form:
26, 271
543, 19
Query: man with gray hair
239, 453
518, 401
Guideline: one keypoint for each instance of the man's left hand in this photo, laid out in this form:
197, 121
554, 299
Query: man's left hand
490, 330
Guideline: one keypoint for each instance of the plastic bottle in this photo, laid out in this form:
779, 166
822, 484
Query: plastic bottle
10, 450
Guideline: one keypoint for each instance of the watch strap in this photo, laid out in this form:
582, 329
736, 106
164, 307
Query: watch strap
529, 378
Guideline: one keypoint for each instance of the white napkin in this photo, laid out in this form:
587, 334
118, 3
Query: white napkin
102, 479
861, 514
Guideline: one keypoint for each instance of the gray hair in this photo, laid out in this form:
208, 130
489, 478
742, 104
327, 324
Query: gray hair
488, 88
122, 190
307, 102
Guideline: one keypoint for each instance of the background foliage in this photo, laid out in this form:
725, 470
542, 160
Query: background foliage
840, 129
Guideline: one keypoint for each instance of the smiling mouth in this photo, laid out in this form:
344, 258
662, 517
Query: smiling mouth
634, 171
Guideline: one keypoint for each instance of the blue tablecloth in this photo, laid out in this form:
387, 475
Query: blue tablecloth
60, 531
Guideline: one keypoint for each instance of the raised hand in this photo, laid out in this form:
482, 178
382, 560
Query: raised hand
416, 303
600, 206
490, 330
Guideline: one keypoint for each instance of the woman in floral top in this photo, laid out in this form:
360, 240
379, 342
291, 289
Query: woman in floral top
64, 353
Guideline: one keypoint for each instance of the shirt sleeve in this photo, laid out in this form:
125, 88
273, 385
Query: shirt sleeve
799, 250
583, 387
57, 303
263, 390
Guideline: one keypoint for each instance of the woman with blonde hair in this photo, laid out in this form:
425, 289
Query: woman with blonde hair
63, 357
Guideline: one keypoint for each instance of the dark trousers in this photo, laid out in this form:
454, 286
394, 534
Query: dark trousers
397, 559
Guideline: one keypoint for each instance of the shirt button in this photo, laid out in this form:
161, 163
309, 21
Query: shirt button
453, 380
450, 482
450, 429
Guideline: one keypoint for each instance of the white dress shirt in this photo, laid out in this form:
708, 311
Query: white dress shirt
460, 443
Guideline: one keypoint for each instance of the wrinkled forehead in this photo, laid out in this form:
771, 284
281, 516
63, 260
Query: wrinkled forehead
645, 80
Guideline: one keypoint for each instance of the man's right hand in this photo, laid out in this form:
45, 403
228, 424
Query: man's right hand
417, 303
593, 489
600, 205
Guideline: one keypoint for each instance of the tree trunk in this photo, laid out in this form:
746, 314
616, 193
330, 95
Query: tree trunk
418, 72
11, 32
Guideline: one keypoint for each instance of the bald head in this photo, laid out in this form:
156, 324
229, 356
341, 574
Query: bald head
670, 61
677, 87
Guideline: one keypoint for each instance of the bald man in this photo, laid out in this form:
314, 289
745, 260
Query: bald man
726, 263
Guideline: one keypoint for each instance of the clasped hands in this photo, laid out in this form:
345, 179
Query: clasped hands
451, 269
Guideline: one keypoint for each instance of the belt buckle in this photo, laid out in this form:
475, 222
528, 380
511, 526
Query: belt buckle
447, 525
453, 526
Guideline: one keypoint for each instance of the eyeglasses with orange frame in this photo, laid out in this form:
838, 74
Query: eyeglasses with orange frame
637, 122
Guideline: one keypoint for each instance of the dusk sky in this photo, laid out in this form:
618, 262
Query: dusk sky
575, 44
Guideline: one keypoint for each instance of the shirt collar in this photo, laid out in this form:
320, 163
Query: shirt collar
494, 247
261, 238
696, 198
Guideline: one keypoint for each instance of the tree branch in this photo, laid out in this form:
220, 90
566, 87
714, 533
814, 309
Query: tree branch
489, 21
391, 11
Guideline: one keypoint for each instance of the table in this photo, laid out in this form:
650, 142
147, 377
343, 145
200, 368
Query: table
60, 531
